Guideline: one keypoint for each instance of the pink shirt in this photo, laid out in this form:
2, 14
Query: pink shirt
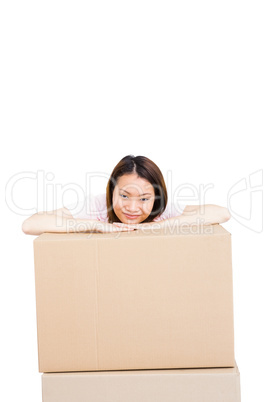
94, 207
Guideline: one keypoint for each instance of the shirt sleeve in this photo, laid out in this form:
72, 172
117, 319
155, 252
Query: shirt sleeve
172, 210
87, 209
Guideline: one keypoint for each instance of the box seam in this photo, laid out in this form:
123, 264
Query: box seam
97, 303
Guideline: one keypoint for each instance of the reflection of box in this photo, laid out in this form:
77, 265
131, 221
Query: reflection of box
134, 300
184, 385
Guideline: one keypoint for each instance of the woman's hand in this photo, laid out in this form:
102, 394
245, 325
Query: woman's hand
104, 227
147, 225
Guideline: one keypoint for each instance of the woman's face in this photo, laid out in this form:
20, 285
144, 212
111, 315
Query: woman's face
133, 198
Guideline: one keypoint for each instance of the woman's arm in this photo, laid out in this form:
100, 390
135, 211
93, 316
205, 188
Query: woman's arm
192, 215
208, 214
58, 221
62, 221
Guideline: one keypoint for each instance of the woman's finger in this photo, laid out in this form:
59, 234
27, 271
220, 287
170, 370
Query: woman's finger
122, 229
121, 225
130, 225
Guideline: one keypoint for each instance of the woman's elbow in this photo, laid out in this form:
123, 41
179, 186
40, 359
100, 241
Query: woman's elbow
25, 227
226, 215
29, 227
218, 214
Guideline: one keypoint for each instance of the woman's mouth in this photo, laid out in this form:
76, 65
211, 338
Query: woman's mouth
132, 216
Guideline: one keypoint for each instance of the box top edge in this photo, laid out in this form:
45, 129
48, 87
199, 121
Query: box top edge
155, 372
49, 236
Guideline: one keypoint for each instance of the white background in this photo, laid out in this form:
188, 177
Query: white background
84, 84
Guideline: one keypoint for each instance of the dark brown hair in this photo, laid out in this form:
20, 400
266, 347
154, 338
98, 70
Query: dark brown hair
146, 169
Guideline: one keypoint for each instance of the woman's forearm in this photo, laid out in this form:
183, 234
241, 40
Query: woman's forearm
44, 222
208, 214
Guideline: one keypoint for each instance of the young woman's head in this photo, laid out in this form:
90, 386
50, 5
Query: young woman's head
136, 191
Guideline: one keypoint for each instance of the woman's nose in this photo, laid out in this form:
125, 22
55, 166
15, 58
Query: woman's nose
132, 205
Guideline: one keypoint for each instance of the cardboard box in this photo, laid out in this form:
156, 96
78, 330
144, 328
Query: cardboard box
134, 300
184, 385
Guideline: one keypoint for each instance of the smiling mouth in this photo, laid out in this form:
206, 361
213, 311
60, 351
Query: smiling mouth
132, 216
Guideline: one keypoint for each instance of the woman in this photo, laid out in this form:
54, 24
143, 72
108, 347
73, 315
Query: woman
136, 197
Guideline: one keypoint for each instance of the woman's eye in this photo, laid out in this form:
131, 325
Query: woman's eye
123, 195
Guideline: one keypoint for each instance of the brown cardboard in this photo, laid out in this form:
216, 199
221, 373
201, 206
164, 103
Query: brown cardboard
184, 385
134, 300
